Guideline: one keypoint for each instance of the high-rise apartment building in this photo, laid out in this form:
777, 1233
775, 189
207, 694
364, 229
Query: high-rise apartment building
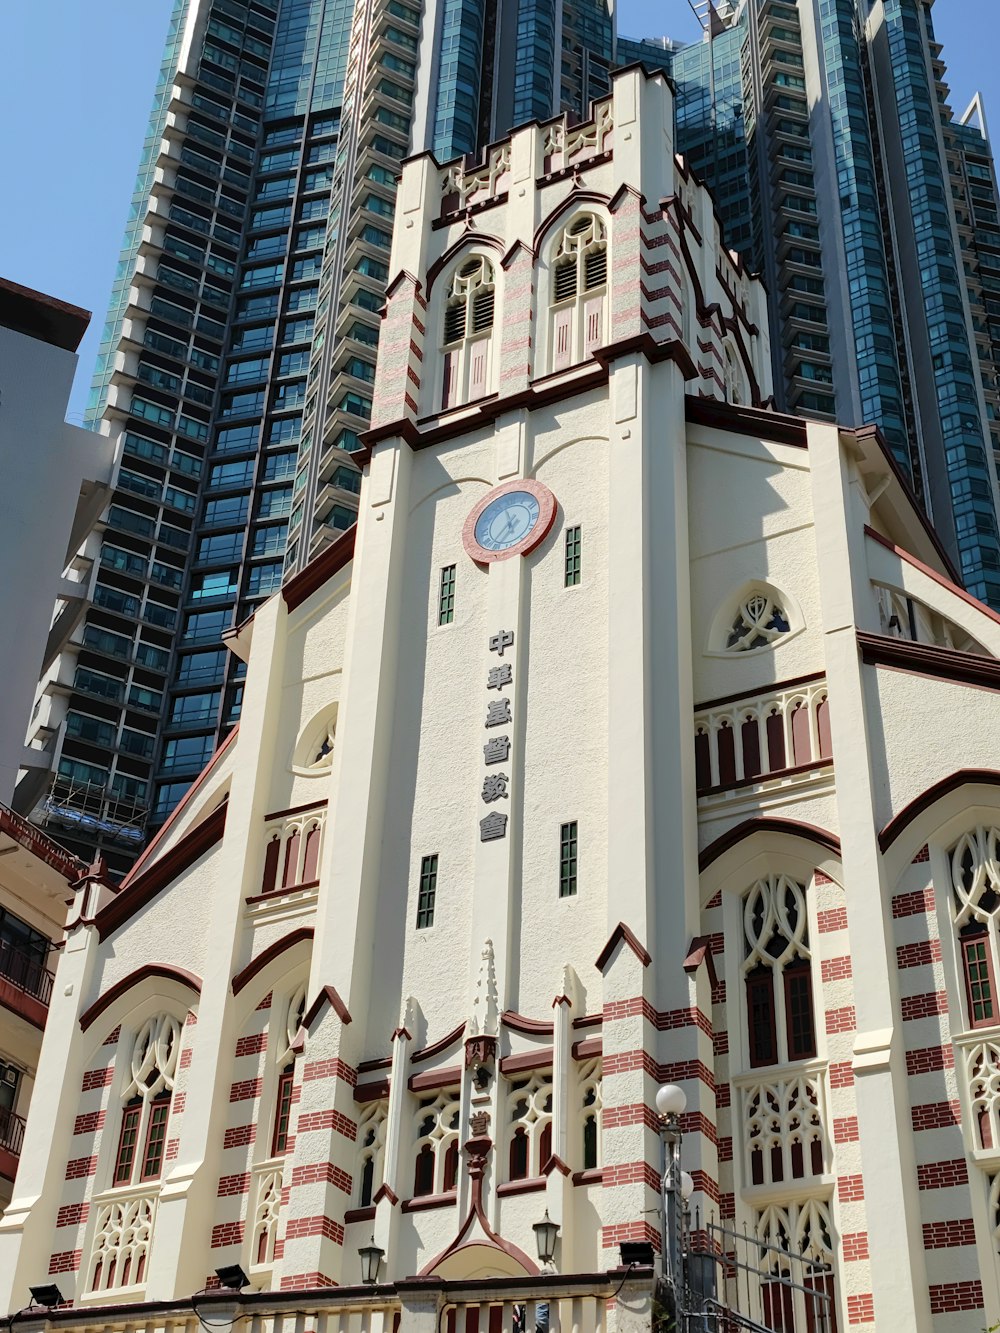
841, 172
236, 369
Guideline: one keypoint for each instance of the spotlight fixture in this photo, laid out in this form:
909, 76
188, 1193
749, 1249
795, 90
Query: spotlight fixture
635, 1254
49, 1295
232, 1277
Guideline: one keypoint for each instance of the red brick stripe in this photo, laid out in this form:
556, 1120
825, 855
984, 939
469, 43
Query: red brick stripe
936, 1115
861, 1308
77, 1168
252, 1045
842, 1074
918, 953
227, 1233
924, 1006
72, 1214
836, 969
913, 904
855, 1246
245, 1090
841, 1020
238, 1184
306, 1281
87, 1124
239, 1136
330, 1069
327, 1120
850, 1188
631, 1173
321, 1172
320, 1225
945, 1235
845, 1129
929, 1058
97, 1078
67, 1261
950, 1296
942, 1175
833, 919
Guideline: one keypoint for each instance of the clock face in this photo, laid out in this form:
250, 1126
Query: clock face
510, 520
507, 520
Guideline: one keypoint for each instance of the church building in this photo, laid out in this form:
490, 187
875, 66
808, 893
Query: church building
637, 735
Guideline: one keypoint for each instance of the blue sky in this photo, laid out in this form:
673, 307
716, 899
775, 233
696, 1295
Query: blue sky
76, 84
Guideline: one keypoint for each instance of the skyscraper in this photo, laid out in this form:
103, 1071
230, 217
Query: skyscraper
236, 366
871, 212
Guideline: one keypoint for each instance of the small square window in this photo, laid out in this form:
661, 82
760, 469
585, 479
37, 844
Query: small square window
428, 892
446, 598
572, 557
567, 859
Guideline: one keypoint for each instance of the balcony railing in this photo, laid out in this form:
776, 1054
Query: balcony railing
26, 971
11, 1131
774, 733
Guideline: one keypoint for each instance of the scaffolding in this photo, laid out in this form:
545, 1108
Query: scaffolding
91, 809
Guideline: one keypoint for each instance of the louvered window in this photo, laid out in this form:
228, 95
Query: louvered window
454, 323
565, 281
482, 311
595, 268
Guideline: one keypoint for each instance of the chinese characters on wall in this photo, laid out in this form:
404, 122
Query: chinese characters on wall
496, 751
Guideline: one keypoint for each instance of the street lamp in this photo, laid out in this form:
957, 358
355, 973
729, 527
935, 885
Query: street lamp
546, 1234
670, 1103
371, 1258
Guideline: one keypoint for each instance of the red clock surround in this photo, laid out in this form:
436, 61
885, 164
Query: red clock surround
546, 517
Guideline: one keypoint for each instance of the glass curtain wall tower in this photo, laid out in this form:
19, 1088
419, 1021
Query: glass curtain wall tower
871, 212
236, 365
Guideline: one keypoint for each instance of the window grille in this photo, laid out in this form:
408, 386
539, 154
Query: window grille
446, 598
427, 891
567, 859
573, 545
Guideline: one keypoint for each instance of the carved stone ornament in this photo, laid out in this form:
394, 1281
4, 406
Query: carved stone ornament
480, 1051
480, 1122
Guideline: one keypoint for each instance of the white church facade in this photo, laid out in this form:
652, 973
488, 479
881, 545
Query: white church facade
637, 735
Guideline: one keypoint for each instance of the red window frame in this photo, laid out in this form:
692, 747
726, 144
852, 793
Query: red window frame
282, 1113
977, 960
154, 1147
760, 1017
127, 1143
423, 1172
800, 1021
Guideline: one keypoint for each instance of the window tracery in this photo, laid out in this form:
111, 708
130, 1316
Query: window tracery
975, 876
797, 1253
579, 290
466, 336
291, 853
371, 1137
784, 1130
778, 972
436, 1161
759, 620
590, 1110
529, 1118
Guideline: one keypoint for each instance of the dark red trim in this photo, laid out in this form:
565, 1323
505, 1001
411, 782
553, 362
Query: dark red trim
873, 432
435, 1078
530, 1186
359, 1214
436, 1047
700, 951
755, 693
26, 1006
622, 933
468, 239
296, 810
369, 1066
593, 1175
589, 1021
327, 996
282, 891
792, 828
384, 1192
572, 200
140, 866
165, 970
42, 317
138, 890
526, 1060
243, 978
987, 777
555, 1163
429, 1201
372, 1092
926, 659
588, 1048
719, 415
758, 778
319, 569
536, 1027
38, 844
547, 508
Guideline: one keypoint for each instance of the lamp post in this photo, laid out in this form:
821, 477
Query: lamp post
670, 1103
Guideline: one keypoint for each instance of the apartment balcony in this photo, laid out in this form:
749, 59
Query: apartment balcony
11, 1138
25, 986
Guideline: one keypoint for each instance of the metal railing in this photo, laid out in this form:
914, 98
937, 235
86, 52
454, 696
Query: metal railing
27, 971
11, 1131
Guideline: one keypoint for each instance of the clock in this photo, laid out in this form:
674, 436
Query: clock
509, 520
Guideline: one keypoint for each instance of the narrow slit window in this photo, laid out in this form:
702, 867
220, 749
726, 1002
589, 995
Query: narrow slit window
126, 1144
156, 1136
567, 859
572, 556
282, 1113
427, 892
446, 597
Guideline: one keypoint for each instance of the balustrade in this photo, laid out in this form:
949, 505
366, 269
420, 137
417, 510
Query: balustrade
119, 1252
765, 735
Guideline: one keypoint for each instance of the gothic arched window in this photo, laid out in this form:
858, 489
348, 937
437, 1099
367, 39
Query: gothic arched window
579, 290
467, 333
975, 881
778, 972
